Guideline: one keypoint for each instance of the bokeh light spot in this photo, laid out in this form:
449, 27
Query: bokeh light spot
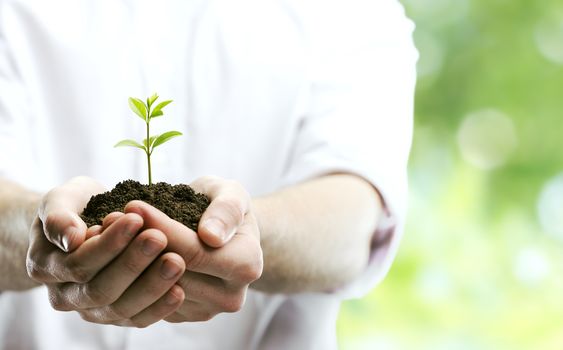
531, 266
548, 36
550, 207
487, 138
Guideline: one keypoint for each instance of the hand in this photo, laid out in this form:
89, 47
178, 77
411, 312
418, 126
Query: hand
99, 271
223, 260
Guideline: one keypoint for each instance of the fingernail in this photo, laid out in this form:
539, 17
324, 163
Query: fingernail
65, 239
169, 269
151, 247
129, 230
64, 242
216, 227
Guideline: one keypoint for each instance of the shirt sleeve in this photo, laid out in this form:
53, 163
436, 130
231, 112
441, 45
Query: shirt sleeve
16, 154
359, 120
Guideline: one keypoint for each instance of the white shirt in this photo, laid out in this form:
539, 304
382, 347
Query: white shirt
267, 92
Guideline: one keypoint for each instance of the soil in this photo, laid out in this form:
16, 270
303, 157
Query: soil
179, 202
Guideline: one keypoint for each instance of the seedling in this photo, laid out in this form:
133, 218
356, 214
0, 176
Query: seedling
146, 112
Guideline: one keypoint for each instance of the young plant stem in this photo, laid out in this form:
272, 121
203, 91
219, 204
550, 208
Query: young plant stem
147, 111
148, 151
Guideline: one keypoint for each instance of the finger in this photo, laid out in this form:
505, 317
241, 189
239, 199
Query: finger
113, 281
229, 204
240, 261
164, 307
111, 218
93, 231
181, 239
97, 252
211, 291
43, 257
58, 212
64, 228
192, 311
147, 289
47, 264
201, 287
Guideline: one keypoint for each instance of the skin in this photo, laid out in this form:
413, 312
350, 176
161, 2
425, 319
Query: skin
18, 208
140, 266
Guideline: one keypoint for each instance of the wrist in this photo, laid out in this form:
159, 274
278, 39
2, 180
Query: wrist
18, 209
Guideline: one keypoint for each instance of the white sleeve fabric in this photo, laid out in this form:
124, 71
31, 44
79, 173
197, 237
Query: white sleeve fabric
359, 119
16, 155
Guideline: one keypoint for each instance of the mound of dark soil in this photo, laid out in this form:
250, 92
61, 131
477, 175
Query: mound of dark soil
179, 202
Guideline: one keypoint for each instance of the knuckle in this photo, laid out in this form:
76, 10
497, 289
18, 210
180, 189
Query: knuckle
203, 316
232, 303
248, 271
57, 301
78, 273
92, 316
155, 290
198, 258
174, 318
34, 270
183, 282
118, 313
95, 294
122, 323
86, 316
139, 324
132, 267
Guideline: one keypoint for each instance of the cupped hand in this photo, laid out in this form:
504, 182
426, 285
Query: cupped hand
221, 259
113, 273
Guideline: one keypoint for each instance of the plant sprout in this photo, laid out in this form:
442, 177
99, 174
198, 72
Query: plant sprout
146, 112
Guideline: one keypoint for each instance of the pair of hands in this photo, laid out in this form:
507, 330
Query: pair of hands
140, 266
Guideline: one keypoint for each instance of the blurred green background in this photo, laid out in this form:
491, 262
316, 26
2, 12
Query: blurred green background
481, 262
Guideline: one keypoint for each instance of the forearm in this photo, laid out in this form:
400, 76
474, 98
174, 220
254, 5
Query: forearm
316, 236
18, 208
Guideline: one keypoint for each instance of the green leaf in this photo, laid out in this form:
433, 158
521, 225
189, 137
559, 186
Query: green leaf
138, 107
165, 137
150, 100
129, 143
151, 141
157, 111
157, 114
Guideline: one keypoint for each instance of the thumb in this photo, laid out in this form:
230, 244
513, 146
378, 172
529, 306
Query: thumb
220, 221
64, 228
59, 210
